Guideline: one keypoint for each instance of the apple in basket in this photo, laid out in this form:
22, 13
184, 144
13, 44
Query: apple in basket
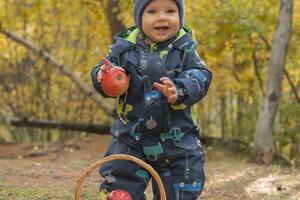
119, 195
114, 80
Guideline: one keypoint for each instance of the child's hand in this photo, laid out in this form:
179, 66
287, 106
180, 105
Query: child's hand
168, 89
105, 67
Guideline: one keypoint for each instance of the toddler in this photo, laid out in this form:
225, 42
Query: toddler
155, 121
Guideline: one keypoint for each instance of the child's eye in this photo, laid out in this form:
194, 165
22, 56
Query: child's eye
171, 11
151, 11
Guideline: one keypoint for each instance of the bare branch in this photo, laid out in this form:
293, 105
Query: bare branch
90, 128
102, 3
268, 46
294, 89
256, 69
65, 70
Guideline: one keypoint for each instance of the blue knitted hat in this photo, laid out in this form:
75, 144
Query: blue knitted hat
139, 6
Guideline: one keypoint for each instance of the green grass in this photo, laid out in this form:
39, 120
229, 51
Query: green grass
21, 193
41, 193
5, 136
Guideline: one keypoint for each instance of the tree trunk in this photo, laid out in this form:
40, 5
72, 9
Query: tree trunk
223, 116
286, 73
112, 10
239, 116
265, 124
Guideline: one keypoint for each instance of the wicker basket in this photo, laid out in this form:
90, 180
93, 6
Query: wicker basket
137, 161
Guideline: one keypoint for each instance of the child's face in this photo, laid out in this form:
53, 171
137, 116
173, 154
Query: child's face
160, 20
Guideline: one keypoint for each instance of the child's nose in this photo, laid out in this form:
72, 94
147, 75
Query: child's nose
162, 16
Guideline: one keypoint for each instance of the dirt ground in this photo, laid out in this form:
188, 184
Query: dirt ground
49, 171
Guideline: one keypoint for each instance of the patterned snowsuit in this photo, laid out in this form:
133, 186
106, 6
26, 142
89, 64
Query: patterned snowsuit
148, 127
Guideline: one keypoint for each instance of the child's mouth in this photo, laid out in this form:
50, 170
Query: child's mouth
161, 28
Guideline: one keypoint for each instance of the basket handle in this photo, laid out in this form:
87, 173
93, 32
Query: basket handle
133, 159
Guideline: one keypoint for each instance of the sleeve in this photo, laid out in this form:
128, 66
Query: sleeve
94, 74
194, 80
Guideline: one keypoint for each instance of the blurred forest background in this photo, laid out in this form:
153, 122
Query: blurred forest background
49, 80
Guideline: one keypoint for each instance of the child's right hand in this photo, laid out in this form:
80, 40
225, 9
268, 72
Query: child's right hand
106, 65
168, 89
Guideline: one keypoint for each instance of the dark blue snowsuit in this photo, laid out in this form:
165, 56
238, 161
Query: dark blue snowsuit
148, 127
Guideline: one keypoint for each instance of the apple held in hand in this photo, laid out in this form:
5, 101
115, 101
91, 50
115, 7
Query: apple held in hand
119, 195
114, 80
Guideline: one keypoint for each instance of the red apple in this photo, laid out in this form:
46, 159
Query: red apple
119, 195
114, 80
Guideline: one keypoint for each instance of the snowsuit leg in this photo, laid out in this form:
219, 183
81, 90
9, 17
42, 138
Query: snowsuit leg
124, 174
180, 166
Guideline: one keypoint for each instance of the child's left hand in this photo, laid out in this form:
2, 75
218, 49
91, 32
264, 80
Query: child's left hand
168, 89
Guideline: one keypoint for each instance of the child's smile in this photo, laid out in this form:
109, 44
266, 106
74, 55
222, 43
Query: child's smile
162, 29
160, 20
